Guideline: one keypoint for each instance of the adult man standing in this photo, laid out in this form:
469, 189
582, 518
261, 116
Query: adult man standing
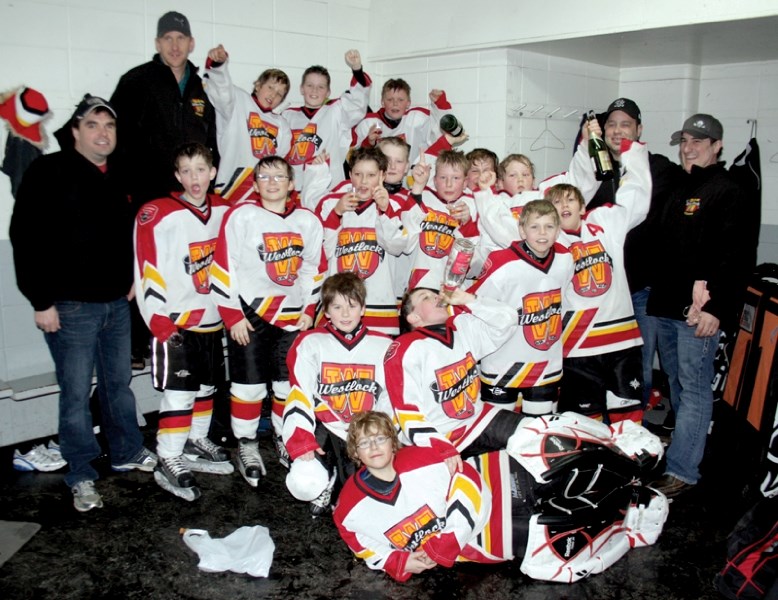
161, 104
703, 263
71, 232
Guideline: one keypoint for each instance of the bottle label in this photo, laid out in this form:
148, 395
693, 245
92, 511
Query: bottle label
461, 264
605, 160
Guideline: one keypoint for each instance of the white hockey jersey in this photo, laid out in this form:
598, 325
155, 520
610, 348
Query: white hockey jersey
244, 132
366, 241
431, 233
433, 381
428, 509
174, 247
333, 376
268, 264
535, 289
326, 129
599, 317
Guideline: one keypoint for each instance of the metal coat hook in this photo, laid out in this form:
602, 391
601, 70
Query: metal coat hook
572, 112
752, 122
551, 114
537, 109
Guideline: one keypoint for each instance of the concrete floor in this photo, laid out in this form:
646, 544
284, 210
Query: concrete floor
131, 548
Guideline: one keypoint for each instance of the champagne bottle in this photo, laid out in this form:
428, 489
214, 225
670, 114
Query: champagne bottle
601, 158
451, 125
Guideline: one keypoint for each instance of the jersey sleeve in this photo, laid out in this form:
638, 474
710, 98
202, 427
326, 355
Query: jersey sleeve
634, 193
378, 554
495, 218
151, 287
220, 89
223, 272
313, 268
299, 422
405, 385
468, 504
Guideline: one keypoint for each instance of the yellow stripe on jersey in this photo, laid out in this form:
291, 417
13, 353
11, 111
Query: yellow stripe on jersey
152, 274
168, 430
220, 275
365, 554
628, 326
296, 395
381, 313
468, 488
571, 326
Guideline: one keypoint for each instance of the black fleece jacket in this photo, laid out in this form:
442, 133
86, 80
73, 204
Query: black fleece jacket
71, 232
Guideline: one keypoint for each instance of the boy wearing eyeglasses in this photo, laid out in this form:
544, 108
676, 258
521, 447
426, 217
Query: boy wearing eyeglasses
266, 277
336, 372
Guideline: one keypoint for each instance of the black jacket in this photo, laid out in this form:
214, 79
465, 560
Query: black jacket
639, 245
701, 235
154, 118
71, 232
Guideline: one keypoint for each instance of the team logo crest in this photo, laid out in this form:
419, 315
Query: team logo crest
282, 254
197, 264
263, 136
348, 389
692, 206
457, 387
358, 251
437, 234
305, 144
198, 106
413, 530
516, 211
541, 318
593, 269
147, 214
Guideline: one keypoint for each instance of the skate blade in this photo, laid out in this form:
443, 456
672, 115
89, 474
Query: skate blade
200, 465
189, 494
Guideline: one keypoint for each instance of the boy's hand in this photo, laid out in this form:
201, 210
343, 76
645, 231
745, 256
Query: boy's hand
418, 562
240, 332
374, 134
311, 455
320, 159
454, 464
435, 95
457, 298
304, 323
353, 59
460, 211
486, 180
348, 203
381, 196
421, 175
218, 54
458, 140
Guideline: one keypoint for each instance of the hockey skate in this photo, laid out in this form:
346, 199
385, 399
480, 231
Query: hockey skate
203, 456
250, 462
173, 475
321, 505
283, 455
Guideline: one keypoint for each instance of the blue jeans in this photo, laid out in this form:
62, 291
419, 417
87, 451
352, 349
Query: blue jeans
648, 331
94, 335
688, 363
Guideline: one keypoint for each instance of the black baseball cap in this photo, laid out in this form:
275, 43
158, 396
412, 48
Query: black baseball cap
625, 105
90, 103
173, 21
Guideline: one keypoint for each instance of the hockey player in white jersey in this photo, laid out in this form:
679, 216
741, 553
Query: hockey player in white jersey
336, 371
175, 239
323, 124
266, 277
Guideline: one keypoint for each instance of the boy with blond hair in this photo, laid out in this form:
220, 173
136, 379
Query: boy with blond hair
530, 275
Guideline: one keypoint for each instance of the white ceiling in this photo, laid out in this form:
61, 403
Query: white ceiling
704, 44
